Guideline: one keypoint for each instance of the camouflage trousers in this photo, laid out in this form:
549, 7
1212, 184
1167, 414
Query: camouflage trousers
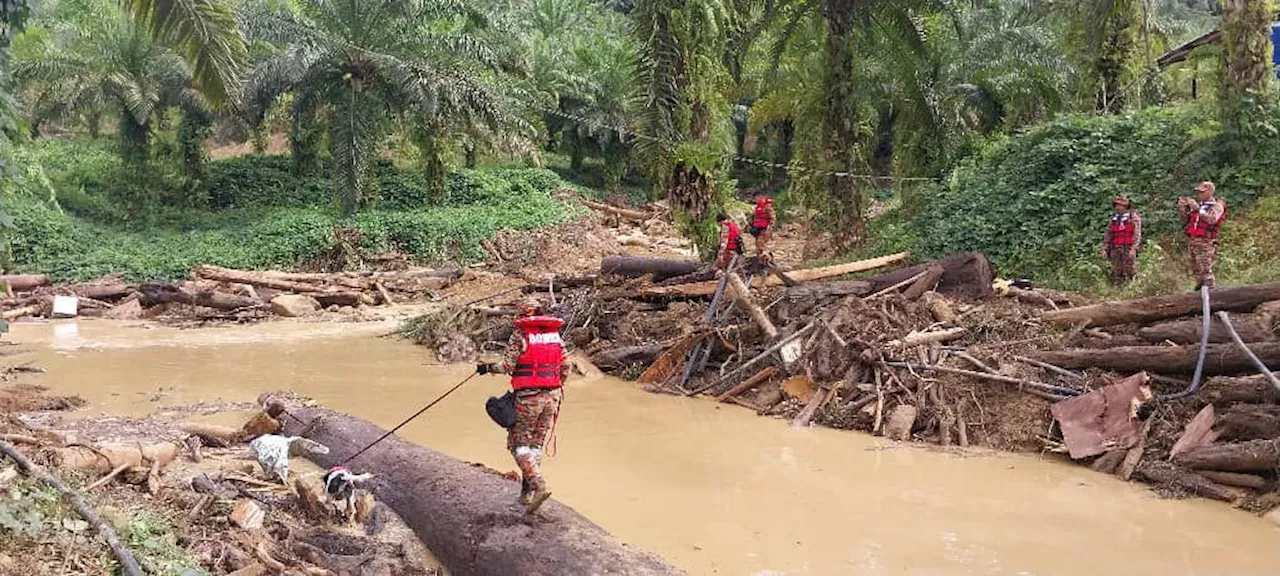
536, 412
1122, 264
1201, 252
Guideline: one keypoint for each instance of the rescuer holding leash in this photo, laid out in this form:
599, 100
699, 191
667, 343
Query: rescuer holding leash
536, 362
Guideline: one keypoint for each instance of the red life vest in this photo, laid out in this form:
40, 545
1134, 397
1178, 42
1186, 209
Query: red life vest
761, 219
539, 365
733, 242
1122, 228
1197, 227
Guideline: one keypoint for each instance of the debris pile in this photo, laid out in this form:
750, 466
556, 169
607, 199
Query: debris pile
221, 512
943, 352
216, 293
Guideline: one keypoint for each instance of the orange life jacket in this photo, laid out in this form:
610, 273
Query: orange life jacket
1122, 228
539, 365
761, 218
733, 241
1197, 227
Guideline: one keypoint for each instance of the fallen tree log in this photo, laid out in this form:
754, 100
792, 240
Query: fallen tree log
1220, 359
933, 274
16, 313
128, 564
1235, 479
1251, 327
709, 288
1250, 422
755, 380
1223, 391
467, 516
1251, 456
24, 282
823, 290
636, 215
1161, 473
743, 296
627, 355
164, 293
966, 275
327, 299
259, 279
661, 268
1235, 299
103, 291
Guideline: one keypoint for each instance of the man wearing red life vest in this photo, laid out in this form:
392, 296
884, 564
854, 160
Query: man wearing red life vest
1120, 244
1204, 216
730, 241
535, 360
762, 220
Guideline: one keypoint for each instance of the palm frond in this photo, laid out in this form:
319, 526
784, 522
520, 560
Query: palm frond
205, 33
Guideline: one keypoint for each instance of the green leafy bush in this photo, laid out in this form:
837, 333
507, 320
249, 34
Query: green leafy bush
260, 180
1037, 203
70, 248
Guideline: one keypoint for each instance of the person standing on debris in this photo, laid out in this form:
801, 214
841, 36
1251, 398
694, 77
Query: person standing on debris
1120, 244
730, 241
761, 221
1204, 216
535, 360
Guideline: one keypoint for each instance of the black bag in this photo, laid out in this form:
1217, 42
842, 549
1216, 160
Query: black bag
502, 410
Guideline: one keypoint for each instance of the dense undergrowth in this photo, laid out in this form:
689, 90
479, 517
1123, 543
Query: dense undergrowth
254, 213
1037, 203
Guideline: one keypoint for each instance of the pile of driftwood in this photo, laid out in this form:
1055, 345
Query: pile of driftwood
910, 353
225, 291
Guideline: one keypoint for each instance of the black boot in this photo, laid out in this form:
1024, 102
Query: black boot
526, 491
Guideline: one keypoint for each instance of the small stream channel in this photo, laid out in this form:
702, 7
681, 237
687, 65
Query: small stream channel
713, 488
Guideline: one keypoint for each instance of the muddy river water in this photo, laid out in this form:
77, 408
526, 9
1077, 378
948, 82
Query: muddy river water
714, 489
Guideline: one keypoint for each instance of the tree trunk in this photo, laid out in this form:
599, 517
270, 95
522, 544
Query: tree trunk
709, 288
1251, 456
1162, 473
1235, 299
743, 296
967, 275
1252, 328
700, 121
24, 282
466, 515
1224, 391
163, 293
786, 134
617, 358
824, 290
1220, 359
1250, 422
841, 125
661, 268
1246, 46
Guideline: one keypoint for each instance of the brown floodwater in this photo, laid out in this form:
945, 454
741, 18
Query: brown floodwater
714, 489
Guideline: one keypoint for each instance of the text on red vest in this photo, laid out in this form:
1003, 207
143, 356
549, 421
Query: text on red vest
539, 364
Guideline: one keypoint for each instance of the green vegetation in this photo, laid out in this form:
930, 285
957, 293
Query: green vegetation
266, 218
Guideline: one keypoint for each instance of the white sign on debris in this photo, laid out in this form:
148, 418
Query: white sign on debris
65, 306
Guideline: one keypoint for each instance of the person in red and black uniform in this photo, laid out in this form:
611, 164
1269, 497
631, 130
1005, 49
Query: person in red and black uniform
1120, 244
1204, 215
762, 220
536, 362
730, 241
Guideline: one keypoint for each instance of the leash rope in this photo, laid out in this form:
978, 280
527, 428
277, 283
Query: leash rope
409, 419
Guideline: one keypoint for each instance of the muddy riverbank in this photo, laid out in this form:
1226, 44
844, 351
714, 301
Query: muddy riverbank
712, 488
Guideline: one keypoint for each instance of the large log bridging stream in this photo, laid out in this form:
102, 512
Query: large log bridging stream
1235, 299
468, 516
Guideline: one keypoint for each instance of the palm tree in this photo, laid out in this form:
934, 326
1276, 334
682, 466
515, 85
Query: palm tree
202, 31
364, 64
111, 62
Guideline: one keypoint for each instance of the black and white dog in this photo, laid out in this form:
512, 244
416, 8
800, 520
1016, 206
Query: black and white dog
340, 487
